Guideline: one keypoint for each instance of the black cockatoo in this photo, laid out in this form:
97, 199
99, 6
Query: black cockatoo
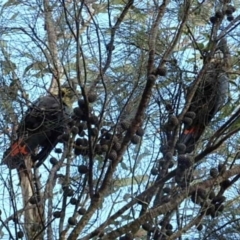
209, 97
39, 130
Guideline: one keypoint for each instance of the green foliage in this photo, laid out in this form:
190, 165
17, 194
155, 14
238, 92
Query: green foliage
46, 43
10, 3
7, 67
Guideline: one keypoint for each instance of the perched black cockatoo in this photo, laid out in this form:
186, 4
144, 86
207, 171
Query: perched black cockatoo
39, 130
209, 97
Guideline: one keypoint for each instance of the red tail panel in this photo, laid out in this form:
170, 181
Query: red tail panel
18, 148
189, 131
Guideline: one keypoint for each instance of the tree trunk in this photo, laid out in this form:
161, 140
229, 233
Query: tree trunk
34, 213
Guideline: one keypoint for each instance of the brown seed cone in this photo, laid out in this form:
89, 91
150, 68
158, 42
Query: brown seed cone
169, 107
57, 214
93, 120
20, 234
140, 132
230, 18
65, 137
74, 130
190, 114
187, 120
185, 160
82, 211
147, 227
168, 156
169, 226
213, 172
219, 14
154, 171
181, 147
58, 150
126, 237
78, 112
213, 19
151, 79
117, 146
72, 221
68, 191
104, 147
83, 169
92, 97
200, 227
34, 199
112, 155
94, 132
173, 120
228, 12
135, 139
73, 201
166, 190
53, 161
77, 151
161, 71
